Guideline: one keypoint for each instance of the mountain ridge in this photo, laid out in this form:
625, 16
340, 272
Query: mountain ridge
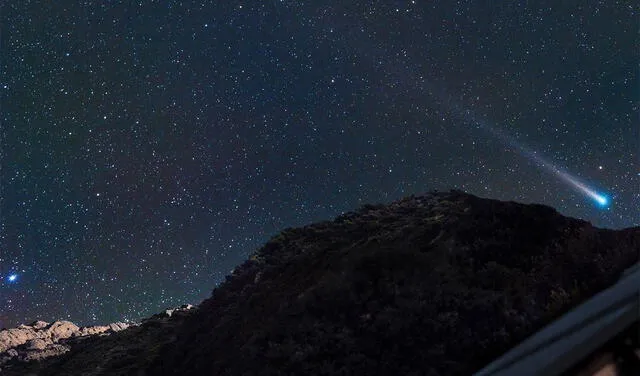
434, 284
444, 228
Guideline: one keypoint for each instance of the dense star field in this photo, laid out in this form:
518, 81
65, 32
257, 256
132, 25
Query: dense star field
149, 147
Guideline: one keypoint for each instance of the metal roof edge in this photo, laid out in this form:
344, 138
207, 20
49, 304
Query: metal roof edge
572, 337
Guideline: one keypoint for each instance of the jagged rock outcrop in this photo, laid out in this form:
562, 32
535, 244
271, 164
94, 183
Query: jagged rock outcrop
41, 340
438, 284
36, 348
47, 333
183, 309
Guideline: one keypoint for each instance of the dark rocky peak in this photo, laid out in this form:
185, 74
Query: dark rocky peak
439, 283
433, 284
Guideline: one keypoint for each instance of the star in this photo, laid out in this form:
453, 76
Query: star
12, 278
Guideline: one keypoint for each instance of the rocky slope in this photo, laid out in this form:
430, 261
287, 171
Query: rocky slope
118, 348
438, 284
41, 340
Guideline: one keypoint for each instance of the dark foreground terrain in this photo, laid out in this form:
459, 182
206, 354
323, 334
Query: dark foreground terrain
438, 284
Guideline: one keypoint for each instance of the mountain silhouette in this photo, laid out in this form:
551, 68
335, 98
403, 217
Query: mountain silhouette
435, 284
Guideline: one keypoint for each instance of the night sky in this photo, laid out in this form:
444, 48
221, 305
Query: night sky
149, 147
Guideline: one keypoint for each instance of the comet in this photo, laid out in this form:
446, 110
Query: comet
410, 75
601, 199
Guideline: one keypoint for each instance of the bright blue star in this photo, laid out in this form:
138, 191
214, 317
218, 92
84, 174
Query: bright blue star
12, 278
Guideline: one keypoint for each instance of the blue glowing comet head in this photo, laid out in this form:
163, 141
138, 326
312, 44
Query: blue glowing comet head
602, 200
12, 277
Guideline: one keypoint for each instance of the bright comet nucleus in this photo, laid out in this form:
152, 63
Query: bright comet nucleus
601, 200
